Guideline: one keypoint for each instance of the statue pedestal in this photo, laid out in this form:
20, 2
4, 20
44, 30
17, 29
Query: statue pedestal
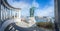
30, 23
32, 20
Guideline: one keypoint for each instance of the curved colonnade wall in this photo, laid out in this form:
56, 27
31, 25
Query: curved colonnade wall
7, 11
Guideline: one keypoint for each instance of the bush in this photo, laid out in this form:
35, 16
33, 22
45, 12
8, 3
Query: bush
45, 25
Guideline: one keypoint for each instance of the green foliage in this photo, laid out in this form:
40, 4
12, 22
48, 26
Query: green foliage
47, 25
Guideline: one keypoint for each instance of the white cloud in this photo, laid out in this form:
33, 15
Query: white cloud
47, 11
24, 6
35, 4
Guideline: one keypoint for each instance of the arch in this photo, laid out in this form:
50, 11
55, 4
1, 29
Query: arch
5, 3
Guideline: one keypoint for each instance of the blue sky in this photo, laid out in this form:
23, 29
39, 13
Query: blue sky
44, 7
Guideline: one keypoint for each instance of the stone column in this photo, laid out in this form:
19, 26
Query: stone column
57, 15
